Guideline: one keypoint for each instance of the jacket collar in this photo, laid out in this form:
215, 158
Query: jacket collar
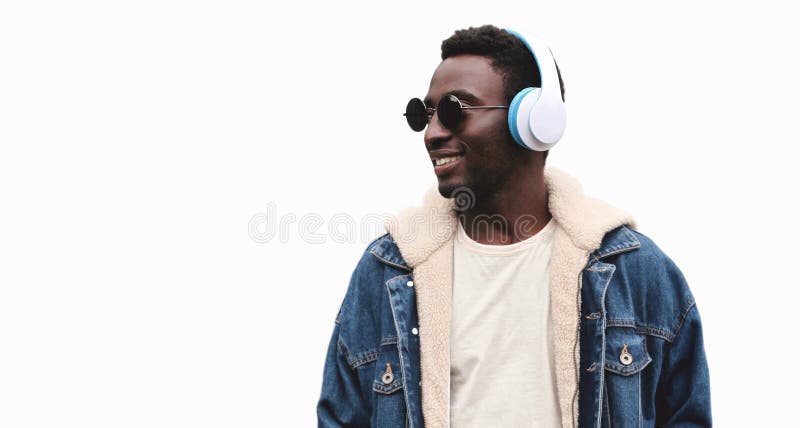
564, 195
387, 252
424, 245
616, 241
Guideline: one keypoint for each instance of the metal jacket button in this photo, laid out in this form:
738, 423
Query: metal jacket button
414, 330
388, 376
410, 283
625, 357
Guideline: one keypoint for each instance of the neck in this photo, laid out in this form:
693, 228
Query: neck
511, 213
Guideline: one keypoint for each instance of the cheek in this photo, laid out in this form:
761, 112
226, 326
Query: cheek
490, 138
495, 156
486, 124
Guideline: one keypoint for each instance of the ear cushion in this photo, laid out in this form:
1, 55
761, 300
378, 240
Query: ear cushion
513, 111
519, 119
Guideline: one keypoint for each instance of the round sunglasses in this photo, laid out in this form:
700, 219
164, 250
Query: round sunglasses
450, 109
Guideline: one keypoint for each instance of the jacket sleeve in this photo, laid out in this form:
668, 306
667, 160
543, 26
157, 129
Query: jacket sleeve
683, 394
342, 402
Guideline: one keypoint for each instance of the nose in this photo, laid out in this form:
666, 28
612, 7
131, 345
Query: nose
435, 133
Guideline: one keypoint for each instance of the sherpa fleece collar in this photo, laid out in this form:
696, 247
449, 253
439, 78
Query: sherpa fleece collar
424, 236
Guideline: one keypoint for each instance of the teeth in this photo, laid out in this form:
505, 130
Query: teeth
443, 161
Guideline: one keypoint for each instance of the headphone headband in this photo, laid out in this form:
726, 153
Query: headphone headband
547, 64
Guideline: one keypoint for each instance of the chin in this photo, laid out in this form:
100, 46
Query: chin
446, 189
452, 188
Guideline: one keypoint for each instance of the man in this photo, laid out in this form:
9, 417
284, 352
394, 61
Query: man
510, 298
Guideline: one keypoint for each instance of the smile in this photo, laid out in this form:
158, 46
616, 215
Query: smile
446, 163
446, 160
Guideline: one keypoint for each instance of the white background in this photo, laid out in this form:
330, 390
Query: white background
139, 139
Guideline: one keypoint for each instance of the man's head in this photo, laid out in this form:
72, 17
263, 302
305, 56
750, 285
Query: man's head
483, 66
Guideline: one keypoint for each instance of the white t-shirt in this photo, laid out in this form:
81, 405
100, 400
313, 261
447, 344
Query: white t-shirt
502, 371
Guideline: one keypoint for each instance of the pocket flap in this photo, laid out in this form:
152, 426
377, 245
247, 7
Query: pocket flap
626, 351
387, 388
388, 373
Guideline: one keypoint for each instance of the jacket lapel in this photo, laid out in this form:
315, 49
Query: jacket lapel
424, 236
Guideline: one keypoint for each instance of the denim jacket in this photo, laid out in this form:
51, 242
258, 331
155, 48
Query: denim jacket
628, 341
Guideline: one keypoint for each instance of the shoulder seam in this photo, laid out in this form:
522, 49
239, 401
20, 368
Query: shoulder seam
688, 307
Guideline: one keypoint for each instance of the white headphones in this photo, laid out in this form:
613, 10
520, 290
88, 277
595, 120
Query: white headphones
537, 116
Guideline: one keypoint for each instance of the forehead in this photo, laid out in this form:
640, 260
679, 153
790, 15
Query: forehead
466, 73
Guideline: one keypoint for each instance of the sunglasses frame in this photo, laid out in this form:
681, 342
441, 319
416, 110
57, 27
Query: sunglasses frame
430, 111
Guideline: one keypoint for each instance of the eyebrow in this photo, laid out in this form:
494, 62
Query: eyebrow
462, 94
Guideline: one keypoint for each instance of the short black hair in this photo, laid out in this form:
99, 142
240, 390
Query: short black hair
510, 57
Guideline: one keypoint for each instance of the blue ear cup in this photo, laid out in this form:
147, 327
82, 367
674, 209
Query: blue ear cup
513, 111
536, 116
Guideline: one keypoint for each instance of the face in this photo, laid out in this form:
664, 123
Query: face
483, 148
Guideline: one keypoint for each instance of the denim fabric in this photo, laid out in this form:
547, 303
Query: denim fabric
642, 361
634, 297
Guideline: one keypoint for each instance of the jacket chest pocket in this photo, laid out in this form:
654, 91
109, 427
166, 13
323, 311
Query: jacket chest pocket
389, 408
626, 357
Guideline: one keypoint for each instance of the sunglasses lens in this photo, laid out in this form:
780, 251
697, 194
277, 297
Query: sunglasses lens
449, 111
416, 115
